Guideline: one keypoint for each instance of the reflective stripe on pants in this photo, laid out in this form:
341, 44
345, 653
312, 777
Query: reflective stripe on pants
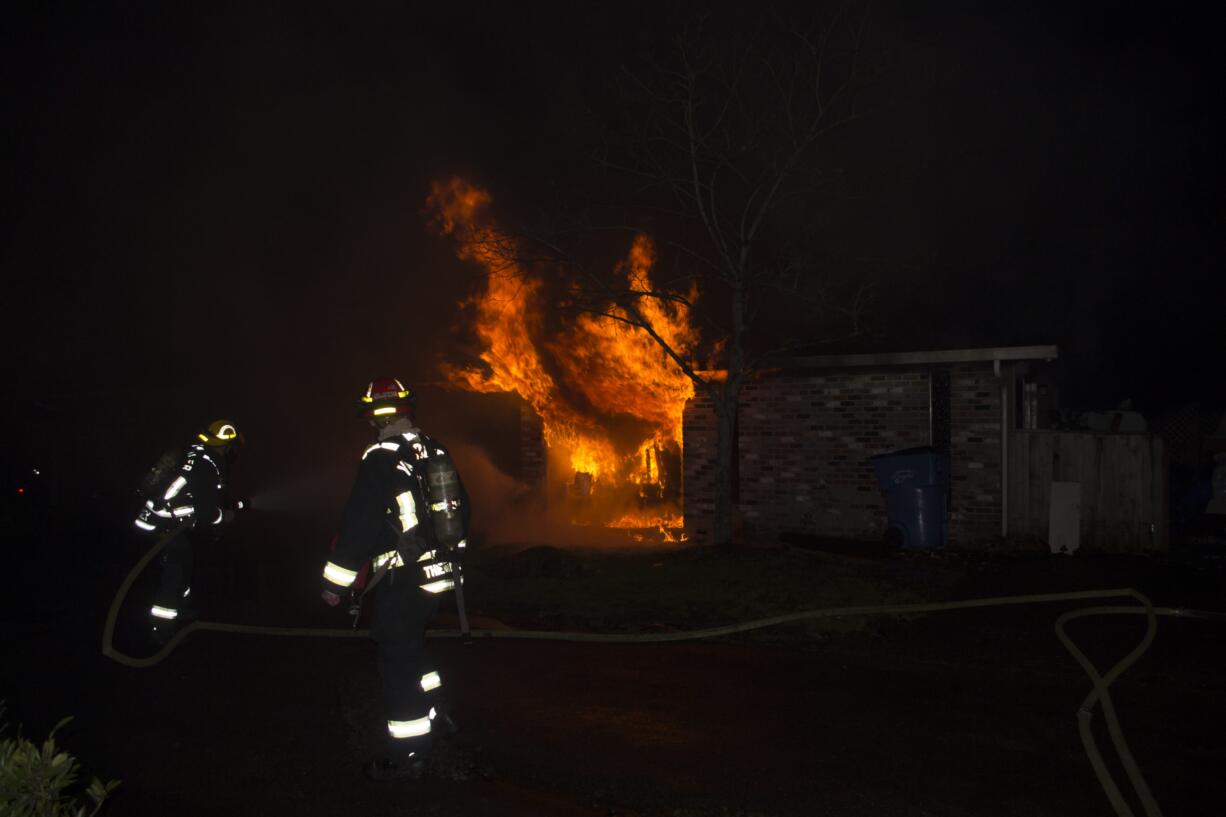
401, 613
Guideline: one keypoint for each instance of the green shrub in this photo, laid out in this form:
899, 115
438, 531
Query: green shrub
35, 780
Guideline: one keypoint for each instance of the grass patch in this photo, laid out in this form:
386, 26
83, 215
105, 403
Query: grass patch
672, 590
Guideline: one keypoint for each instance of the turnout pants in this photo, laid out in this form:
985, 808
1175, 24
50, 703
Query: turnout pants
175, 584
412, 689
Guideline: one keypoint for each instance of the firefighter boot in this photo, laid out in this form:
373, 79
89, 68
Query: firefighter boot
161, 633
396, 769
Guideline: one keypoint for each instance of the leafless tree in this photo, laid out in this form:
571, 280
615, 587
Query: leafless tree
719, 148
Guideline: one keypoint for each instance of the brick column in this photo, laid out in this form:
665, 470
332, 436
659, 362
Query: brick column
532, 447
698, 457
975, 461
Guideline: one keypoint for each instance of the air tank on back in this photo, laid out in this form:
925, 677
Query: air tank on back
446, 516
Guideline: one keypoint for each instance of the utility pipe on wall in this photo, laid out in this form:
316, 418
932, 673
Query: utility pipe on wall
998, 370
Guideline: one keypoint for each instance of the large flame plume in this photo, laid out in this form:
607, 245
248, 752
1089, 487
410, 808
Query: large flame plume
617, 368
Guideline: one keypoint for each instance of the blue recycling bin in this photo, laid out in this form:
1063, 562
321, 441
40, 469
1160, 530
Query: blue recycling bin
914, 483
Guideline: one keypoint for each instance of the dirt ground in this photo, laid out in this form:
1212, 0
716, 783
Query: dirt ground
957, 713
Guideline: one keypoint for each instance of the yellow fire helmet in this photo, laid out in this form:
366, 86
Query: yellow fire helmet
220, 432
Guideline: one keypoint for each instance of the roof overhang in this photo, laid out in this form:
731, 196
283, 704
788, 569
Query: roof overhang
934, 358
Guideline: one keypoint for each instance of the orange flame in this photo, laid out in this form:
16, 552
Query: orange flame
619, 369
508, 318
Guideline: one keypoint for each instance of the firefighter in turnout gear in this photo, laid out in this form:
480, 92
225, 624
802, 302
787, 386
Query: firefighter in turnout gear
401, 531
187, 493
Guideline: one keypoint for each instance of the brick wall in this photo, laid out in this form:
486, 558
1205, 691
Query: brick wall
805, 440
804, 446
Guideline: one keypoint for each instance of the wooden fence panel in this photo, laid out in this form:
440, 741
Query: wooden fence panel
1123, 487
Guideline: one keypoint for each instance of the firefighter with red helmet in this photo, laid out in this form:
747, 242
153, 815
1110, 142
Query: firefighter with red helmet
402, 529
188, 493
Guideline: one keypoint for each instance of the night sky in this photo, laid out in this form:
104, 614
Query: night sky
220, 211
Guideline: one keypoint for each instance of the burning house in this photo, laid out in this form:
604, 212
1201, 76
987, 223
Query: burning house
808, 428
603, 404
613, 434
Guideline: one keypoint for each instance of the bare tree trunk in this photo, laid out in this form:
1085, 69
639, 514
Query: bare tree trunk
727, 405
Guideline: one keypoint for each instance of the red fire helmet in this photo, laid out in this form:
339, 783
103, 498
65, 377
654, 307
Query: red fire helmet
386, 396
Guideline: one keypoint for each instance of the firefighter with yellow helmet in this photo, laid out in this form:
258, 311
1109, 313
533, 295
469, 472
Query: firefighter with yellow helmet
401, 531
187, 492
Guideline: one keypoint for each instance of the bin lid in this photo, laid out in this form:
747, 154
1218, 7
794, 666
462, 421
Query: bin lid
911, 467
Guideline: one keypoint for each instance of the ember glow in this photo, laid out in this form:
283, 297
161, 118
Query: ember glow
585, 378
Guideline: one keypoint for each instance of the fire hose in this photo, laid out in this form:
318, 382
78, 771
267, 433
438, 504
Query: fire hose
1099, 694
